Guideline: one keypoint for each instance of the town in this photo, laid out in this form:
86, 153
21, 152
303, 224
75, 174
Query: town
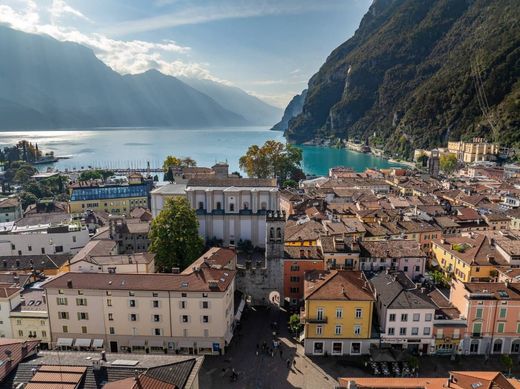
395, 275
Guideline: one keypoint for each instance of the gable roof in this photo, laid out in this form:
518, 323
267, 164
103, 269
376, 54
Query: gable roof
348, 285
397, 291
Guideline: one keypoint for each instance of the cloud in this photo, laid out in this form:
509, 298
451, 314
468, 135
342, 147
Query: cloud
295, 71
221, 10
60, 8
124, 56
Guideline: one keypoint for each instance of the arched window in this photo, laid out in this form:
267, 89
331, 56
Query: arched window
231, 207
278, 233
515, 346
497, 346
271, 233
201, 205
219, 205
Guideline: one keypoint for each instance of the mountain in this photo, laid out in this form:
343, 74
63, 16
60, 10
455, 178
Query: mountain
417, 73
45, 83
294, 108
235, 99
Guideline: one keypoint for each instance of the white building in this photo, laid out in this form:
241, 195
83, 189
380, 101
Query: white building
189, 313
162, 193
233, 209
9, 299
405, 312
41, 239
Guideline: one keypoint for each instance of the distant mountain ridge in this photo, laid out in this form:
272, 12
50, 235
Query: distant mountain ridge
45, 83
294, 108
235, 99
417, 73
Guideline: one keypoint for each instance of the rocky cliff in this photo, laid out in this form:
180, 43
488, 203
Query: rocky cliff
294, 108
417, 73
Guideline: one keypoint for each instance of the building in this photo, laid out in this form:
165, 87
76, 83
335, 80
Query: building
9, 299
110, 198
42, 239
338, 313
162, 193
478, 150
233, 209
118, 263
30, 319
394, 255
130, 234
468, 258
405, 312
456, 380
87, 370
434, 163
155, 313
10, 209
15, 351
492, 310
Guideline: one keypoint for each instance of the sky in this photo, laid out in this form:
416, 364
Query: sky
269, 48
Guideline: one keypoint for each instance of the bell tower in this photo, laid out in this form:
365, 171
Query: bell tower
275, 234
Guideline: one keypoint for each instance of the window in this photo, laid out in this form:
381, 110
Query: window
185, 318
18, 322
477, 328
518, 328
133, 317
391, 331
81, 301
65, 329
131, 293
74, 238
415, 330
182, 304
44, 334
82, 316
20, 333
404, 317
29, 248
157, 331
112, 330
337, 348
80, 292
391, 317
337, 331
339, 313
500, 328
109, 302
319, 330
201, 205
428, 317
204, 295
156, 318
359, 313
319, 314
402, 331
155, 294
357, 330
58, 249
206, 333
295, 279
318, 348
231, 207
416, 316
295, 268
294, 290
155, 303
355, 348
61, 300
426, 331
110, 316
184, 295
478, 313
131, 303
205, 304
205, 319
83, 329
63, 315
503, 313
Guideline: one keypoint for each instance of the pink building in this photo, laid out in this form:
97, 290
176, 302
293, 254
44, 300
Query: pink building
492, 310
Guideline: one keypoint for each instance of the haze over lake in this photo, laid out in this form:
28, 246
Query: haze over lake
134, 147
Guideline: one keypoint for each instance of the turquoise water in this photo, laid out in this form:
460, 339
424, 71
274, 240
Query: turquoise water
113, 148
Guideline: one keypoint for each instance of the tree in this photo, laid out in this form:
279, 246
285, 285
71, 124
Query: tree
27, 198
290, 184
422, 160
23, 173
169, 162
294, 323
272, 160
448, 163
174, 236
507, 362
90, 175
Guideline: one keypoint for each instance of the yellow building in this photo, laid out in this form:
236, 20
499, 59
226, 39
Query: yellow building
338, 313
468, 258
30, 319
478, 150
299, 234
114, 199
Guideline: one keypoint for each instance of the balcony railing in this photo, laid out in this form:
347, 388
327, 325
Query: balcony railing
316, 320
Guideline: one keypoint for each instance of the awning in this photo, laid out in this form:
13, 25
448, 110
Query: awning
97, 343
80, 342
155, 343
64, 342
240, 309
136, 343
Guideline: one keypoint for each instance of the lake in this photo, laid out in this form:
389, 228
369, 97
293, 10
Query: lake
118, 148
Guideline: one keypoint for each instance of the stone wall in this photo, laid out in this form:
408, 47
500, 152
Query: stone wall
257, 282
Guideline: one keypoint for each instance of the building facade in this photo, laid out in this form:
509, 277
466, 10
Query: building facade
10, 209
157, 313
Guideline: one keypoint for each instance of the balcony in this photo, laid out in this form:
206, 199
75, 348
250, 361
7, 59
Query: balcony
316, 320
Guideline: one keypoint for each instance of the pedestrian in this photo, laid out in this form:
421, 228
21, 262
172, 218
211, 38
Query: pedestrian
281, 353
288, 363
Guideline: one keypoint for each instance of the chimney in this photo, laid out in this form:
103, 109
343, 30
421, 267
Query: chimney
351, 385
103, 356
69, 283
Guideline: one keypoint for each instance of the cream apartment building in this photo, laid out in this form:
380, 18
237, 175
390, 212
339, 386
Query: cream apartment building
30, 319
188, 313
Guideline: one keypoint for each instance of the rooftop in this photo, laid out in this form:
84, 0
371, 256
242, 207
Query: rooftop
338, 285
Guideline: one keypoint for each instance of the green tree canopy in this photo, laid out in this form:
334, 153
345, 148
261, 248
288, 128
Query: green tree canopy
172, 160
95, 174
174, 236
272, 160
448, 163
